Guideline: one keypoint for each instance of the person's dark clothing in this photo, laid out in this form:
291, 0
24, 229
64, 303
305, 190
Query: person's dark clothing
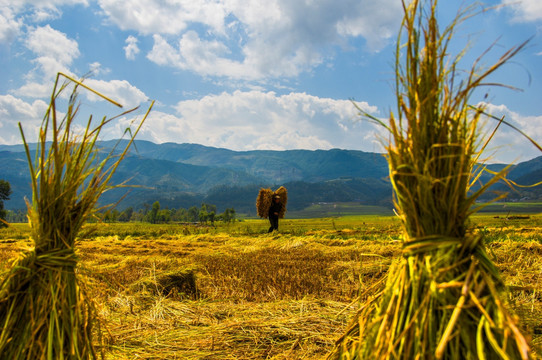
274, 211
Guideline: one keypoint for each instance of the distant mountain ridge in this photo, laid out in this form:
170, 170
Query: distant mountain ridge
183, 175
270, 165
266, 165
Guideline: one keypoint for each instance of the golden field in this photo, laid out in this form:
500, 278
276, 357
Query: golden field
176, 291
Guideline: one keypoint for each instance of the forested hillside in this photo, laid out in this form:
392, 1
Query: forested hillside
185, 175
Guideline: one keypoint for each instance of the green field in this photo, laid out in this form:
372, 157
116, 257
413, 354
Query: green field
514, 208
233, 291
341, 209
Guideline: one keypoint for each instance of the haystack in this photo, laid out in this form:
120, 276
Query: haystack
265, 198
44, 311
444, 299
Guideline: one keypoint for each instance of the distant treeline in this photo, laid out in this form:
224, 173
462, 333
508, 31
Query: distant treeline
154, 214
243, 197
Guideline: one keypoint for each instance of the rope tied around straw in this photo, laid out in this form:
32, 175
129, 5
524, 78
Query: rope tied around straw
57, 257
425, 244
420, 245
461, 286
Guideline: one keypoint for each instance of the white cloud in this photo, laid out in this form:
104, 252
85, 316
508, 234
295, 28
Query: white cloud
96, 68
10, 27
118, 90
131, 49
14, 110
34, 89
55, 53
50, 43
43, 14
203, 57
254, 39
264, 120
36, 11
30, 114
164, 54
508, 145
164, 17
525, 10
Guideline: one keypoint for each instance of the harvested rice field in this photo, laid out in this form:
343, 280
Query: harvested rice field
236, 292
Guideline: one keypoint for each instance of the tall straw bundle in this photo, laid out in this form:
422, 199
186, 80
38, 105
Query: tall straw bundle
265, 198
444, 299
283, 194
263, 202
44, 312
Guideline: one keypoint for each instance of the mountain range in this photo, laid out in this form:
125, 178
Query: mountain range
185, 175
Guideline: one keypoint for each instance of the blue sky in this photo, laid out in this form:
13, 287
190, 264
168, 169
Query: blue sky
245, 75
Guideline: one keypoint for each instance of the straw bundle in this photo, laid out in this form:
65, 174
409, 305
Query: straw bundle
265, 198
444, 299
263, 202
44, 311
283, 193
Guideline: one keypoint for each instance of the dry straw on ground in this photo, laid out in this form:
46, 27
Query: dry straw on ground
44, 310
444, 299
265, 198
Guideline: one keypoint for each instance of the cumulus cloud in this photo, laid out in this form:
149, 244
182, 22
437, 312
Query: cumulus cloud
164, 17
47, 42
255, 39
54, 52
118, 90
203, 57
30, 114
14, 110
508, 145
45, 14
35, 11
96, 69
264, 120
9, 26
525, 10
131, 49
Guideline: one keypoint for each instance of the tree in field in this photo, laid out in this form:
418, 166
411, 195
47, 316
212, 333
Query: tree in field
193, 214
164, 216
203, 214
126, 215
211, 216
228, 215
152, 215
5, 192
111, 216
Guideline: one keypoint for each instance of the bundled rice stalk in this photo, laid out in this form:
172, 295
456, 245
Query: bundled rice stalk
283, 194
44, 312
263, 202
265, 198
444, 299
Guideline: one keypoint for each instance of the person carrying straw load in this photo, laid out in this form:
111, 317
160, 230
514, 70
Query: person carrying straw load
272, 205
274, 211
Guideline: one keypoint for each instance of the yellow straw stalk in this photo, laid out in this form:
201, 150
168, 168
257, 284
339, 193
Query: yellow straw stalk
44, 312
444, 298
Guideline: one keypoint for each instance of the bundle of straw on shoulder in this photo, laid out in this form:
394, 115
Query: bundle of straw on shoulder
44, 311
444, 299
263, 202
283, 195
265, 199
